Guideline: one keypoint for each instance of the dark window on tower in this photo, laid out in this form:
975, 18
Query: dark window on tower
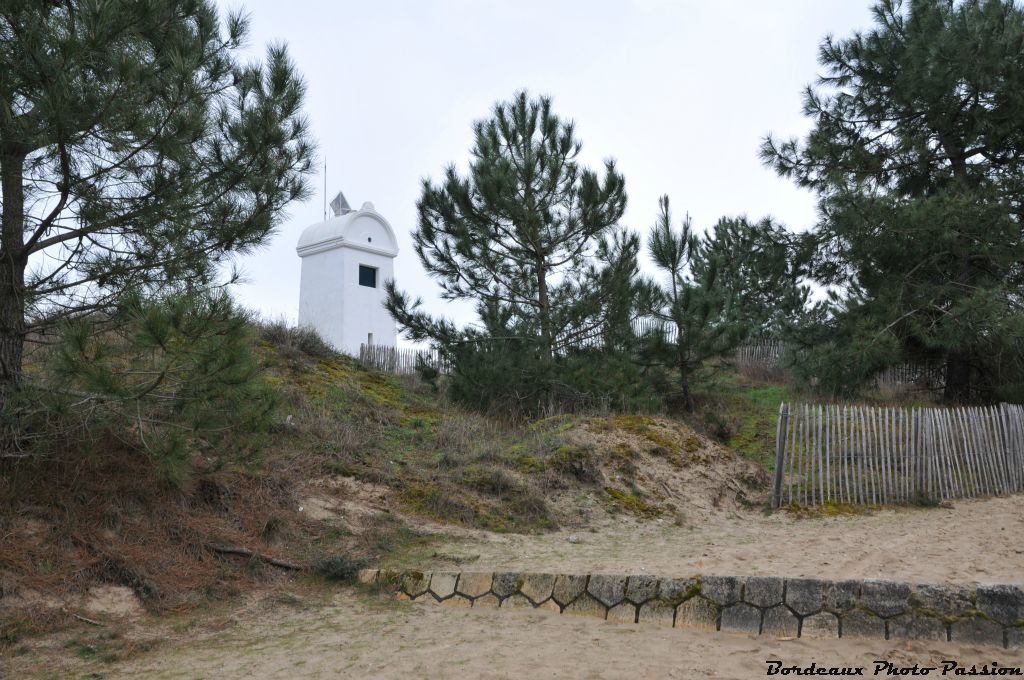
367, 276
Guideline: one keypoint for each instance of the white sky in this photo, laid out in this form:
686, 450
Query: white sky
679, 93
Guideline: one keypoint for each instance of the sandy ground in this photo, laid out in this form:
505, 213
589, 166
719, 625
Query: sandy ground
361, 636
972, 541
340, 633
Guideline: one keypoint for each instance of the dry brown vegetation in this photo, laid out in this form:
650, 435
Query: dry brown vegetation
356, 464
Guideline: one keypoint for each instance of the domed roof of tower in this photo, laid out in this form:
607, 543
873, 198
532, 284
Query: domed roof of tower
363, 229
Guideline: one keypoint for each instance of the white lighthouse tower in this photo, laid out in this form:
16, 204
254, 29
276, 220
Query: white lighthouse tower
345, 262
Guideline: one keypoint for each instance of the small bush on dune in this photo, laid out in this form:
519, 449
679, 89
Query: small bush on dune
513, 380
164, 378
290, 339
577, 461
337, 567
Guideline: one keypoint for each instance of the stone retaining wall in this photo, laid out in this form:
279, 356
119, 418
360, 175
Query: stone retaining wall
759, 605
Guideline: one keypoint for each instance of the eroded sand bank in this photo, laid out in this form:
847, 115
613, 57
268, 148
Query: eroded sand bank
973, 541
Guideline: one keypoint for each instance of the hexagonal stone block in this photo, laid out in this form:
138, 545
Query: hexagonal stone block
550, 605
516, 601
976, 630
505, 583
763, 591
841, 596
723, 590
473, 583
537, 587
885, 598
909, 627
657, 611
442, 584
641, 588
698, 614
1003, 603
822, 626
780, 622
390, 579
366, 576
743, 618
487, 601
567, 588
415, 583
586, 605
805, 596
624, 612
861, 623
676, 590
942, 600
457, 601
607, 589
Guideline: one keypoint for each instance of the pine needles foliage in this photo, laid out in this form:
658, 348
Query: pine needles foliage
917, 158
166, 378
532, 238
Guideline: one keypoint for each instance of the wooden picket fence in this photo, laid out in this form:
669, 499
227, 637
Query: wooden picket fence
875, 455
760, 353
767, 354
920, 375
399, 359
645, 325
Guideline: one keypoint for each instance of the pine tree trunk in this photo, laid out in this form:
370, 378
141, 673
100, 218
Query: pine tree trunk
687, 397
12, 269
958, 365
684, 375
958, 378
545, 318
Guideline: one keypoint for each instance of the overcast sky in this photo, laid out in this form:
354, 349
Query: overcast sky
679, 93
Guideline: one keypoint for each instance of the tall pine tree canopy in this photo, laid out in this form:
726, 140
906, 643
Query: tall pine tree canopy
916, 156
137, 153
741, 279
528, 235
531, 238
761, 267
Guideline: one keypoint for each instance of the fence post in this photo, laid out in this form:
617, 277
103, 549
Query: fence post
917, 475
780, 454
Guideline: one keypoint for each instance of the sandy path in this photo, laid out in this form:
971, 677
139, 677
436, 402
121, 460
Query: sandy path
360, 637
974, 541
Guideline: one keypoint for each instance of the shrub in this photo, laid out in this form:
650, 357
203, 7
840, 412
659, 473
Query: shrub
295, 338
165, 377
579, 462
513, 379
337, 567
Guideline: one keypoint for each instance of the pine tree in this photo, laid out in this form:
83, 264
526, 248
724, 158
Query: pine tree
531, 237
167, 377
916, 156
761, 267
137, 154
517, 234
700, 310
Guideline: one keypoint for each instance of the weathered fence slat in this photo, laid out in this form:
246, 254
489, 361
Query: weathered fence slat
792, 456
805, 439
1015, 454
829, 446
884, 428
819, 445
871, 455
400, 360
780, 453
